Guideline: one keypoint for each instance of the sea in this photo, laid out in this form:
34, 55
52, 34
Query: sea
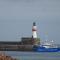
33, 55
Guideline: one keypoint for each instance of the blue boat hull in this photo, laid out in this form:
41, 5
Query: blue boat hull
43, 49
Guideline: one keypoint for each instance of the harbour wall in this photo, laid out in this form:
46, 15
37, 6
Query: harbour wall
16, 47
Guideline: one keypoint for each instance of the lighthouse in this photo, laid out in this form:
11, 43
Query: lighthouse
34, 35
33, 40
34, 30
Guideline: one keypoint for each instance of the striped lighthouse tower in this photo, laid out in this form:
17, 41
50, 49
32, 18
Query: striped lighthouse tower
34, 30
36, 40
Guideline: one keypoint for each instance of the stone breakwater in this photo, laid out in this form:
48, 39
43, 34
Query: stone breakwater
6, 57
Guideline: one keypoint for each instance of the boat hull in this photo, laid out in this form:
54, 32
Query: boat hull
43, 49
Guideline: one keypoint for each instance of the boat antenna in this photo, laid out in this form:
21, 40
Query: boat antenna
46, 36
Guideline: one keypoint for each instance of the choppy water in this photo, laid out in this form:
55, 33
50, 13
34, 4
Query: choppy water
34, 55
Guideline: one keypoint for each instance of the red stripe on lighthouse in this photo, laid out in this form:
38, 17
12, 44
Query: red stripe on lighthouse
34, 30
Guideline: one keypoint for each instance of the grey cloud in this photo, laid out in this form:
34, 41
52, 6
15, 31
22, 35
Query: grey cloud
17, 14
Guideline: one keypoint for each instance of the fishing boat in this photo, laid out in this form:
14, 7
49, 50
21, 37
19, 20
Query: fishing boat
47, 47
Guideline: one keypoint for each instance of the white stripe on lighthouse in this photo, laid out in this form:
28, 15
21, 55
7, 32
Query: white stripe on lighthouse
34, 34
35, 27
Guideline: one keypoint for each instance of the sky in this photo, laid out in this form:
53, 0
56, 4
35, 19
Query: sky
17, 17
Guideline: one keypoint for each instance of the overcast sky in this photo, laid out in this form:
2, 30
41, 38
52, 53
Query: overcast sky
17, 16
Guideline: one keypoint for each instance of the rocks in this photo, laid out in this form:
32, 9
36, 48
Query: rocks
5, 57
